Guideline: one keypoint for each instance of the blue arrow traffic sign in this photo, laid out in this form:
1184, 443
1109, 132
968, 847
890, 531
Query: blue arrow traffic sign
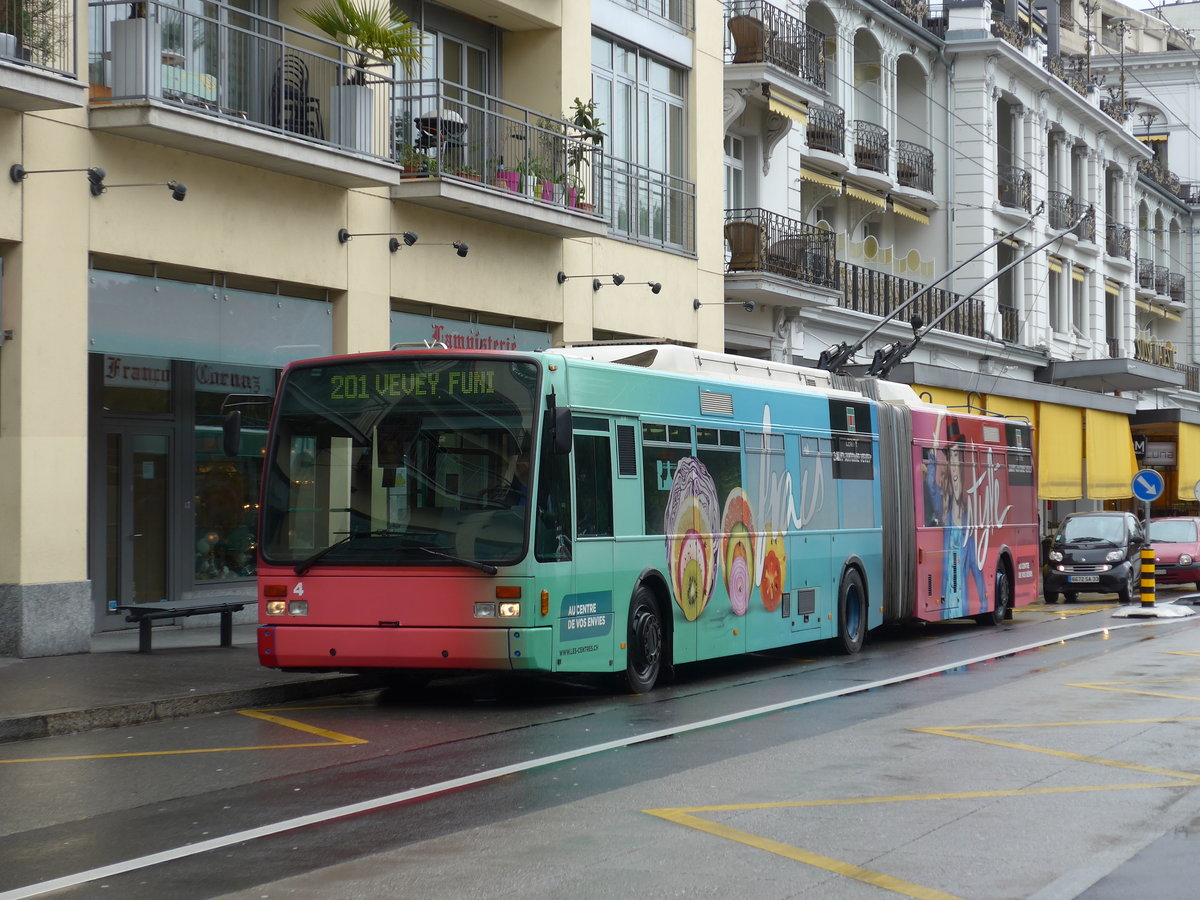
1148, 485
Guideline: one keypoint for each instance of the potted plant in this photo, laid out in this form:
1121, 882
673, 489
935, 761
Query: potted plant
375, 32
583, 117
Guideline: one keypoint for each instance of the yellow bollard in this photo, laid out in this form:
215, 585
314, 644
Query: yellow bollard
1147, 584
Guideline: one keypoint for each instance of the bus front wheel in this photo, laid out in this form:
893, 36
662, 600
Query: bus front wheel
852, 614
645, 642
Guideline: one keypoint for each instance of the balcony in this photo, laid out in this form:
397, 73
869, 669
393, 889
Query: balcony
1014, 187
914, 166
1118, 239
1008, 31
646, 206
880, 294
1162, 279
763, 34
1145, 274
1061, 210
761, 242
871, 150
473, 154
1168, 182
37, 56
1175, 287
826, 130
1010, 323
243, 88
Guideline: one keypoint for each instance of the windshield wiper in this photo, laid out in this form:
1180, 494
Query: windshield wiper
304, 565
486, 568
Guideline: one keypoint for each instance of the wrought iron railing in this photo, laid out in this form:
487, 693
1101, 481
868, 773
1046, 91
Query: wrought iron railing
914, 166
444, 129
758, 240
1010, 322
1175, 286
1145, 273
880, 294
1014, 187
1191, 376
1060, 209
1118, 239
245, 68
759, 32
1086, 229
39, 33
826, 129
1114, 348
1008, 31
871, 149
1187, 192
647, 206
1162, 278
1074, 71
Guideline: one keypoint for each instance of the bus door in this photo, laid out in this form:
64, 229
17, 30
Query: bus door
587, 622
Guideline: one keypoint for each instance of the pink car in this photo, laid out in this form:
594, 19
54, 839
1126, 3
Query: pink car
1176, 542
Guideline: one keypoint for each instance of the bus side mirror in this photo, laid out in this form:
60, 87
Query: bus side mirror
231, 441
561, 437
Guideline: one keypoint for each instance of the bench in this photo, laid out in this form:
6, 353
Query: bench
145, 614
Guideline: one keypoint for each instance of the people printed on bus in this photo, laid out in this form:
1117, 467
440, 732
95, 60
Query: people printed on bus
945, 492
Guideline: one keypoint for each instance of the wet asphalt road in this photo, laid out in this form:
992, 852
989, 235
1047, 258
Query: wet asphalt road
1055, 772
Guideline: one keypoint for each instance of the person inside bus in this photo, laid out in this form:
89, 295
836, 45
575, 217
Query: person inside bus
945, 483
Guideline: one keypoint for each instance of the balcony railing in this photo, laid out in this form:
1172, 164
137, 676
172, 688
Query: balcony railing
677, 12
826, 129
871, 149
39, 33
759, 240
1170, 182
1008, 31
243, 68
647, 206
759, 32
1118, 239
1175, 286
1073, 70
1162, 278
1010, 323
1145, 274
1014, 186
1191, 374
1060, 209
880, 294
914, 166
443, 129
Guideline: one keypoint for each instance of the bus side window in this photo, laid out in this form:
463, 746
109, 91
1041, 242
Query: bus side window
593, 486
552, 526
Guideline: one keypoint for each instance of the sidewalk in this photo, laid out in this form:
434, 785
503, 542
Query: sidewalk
188, 673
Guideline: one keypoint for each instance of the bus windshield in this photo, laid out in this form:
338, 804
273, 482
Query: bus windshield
401, 461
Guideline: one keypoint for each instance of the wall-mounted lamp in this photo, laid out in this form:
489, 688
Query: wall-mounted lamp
95, 174
655, 286
460, 247
596, 282
747, 305
178, 190
409, 237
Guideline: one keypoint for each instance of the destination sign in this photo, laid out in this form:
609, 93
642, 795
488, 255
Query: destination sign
350, 385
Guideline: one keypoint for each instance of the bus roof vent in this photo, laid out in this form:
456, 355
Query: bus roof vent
715, 404
626, 450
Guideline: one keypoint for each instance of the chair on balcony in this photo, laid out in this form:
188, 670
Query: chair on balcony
749, 38
746, 241
293, 108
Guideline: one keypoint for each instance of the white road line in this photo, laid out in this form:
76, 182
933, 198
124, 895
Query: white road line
339, 812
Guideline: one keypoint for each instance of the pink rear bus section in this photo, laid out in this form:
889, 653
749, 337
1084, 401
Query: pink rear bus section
976, 508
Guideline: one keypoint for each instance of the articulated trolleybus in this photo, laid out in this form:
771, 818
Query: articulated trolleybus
622, 509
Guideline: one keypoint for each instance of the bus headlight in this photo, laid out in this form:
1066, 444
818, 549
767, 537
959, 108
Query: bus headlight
297, 607
485, 610
510, 610
276, 607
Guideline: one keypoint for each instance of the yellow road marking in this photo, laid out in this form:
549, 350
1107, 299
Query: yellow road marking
332, 739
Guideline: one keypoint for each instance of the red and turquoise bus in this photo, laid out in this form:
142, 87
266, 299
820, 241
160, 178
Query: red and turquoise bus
622, 509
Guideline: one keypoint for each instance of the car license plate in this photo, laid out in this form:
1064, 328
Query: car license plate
1160, 571
1084, 579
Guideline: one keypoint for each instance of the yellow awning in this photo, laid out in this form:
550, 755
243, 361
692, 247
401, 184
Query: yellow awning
1111, 287
1077, 273
1156, 310
1111, 464
866, 196
818, 178
1060, 452
909, 213
787, 106
1151, 138
944, 396
1189, 461
1056, 265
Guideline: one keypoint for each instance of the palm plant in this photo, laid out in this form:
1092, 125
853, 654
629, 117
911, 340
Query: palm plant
372, 28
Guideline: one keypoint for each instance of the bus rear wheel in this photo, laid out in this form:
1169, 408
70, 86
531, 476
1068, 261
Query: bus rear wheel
1003, 599
645, 642
852, 614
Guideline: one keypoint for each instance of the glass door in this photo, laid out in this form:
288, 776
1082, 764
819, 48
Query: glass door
137, 526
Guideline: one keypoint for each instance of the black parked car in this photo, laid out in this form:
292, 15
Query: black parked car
1095, 553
